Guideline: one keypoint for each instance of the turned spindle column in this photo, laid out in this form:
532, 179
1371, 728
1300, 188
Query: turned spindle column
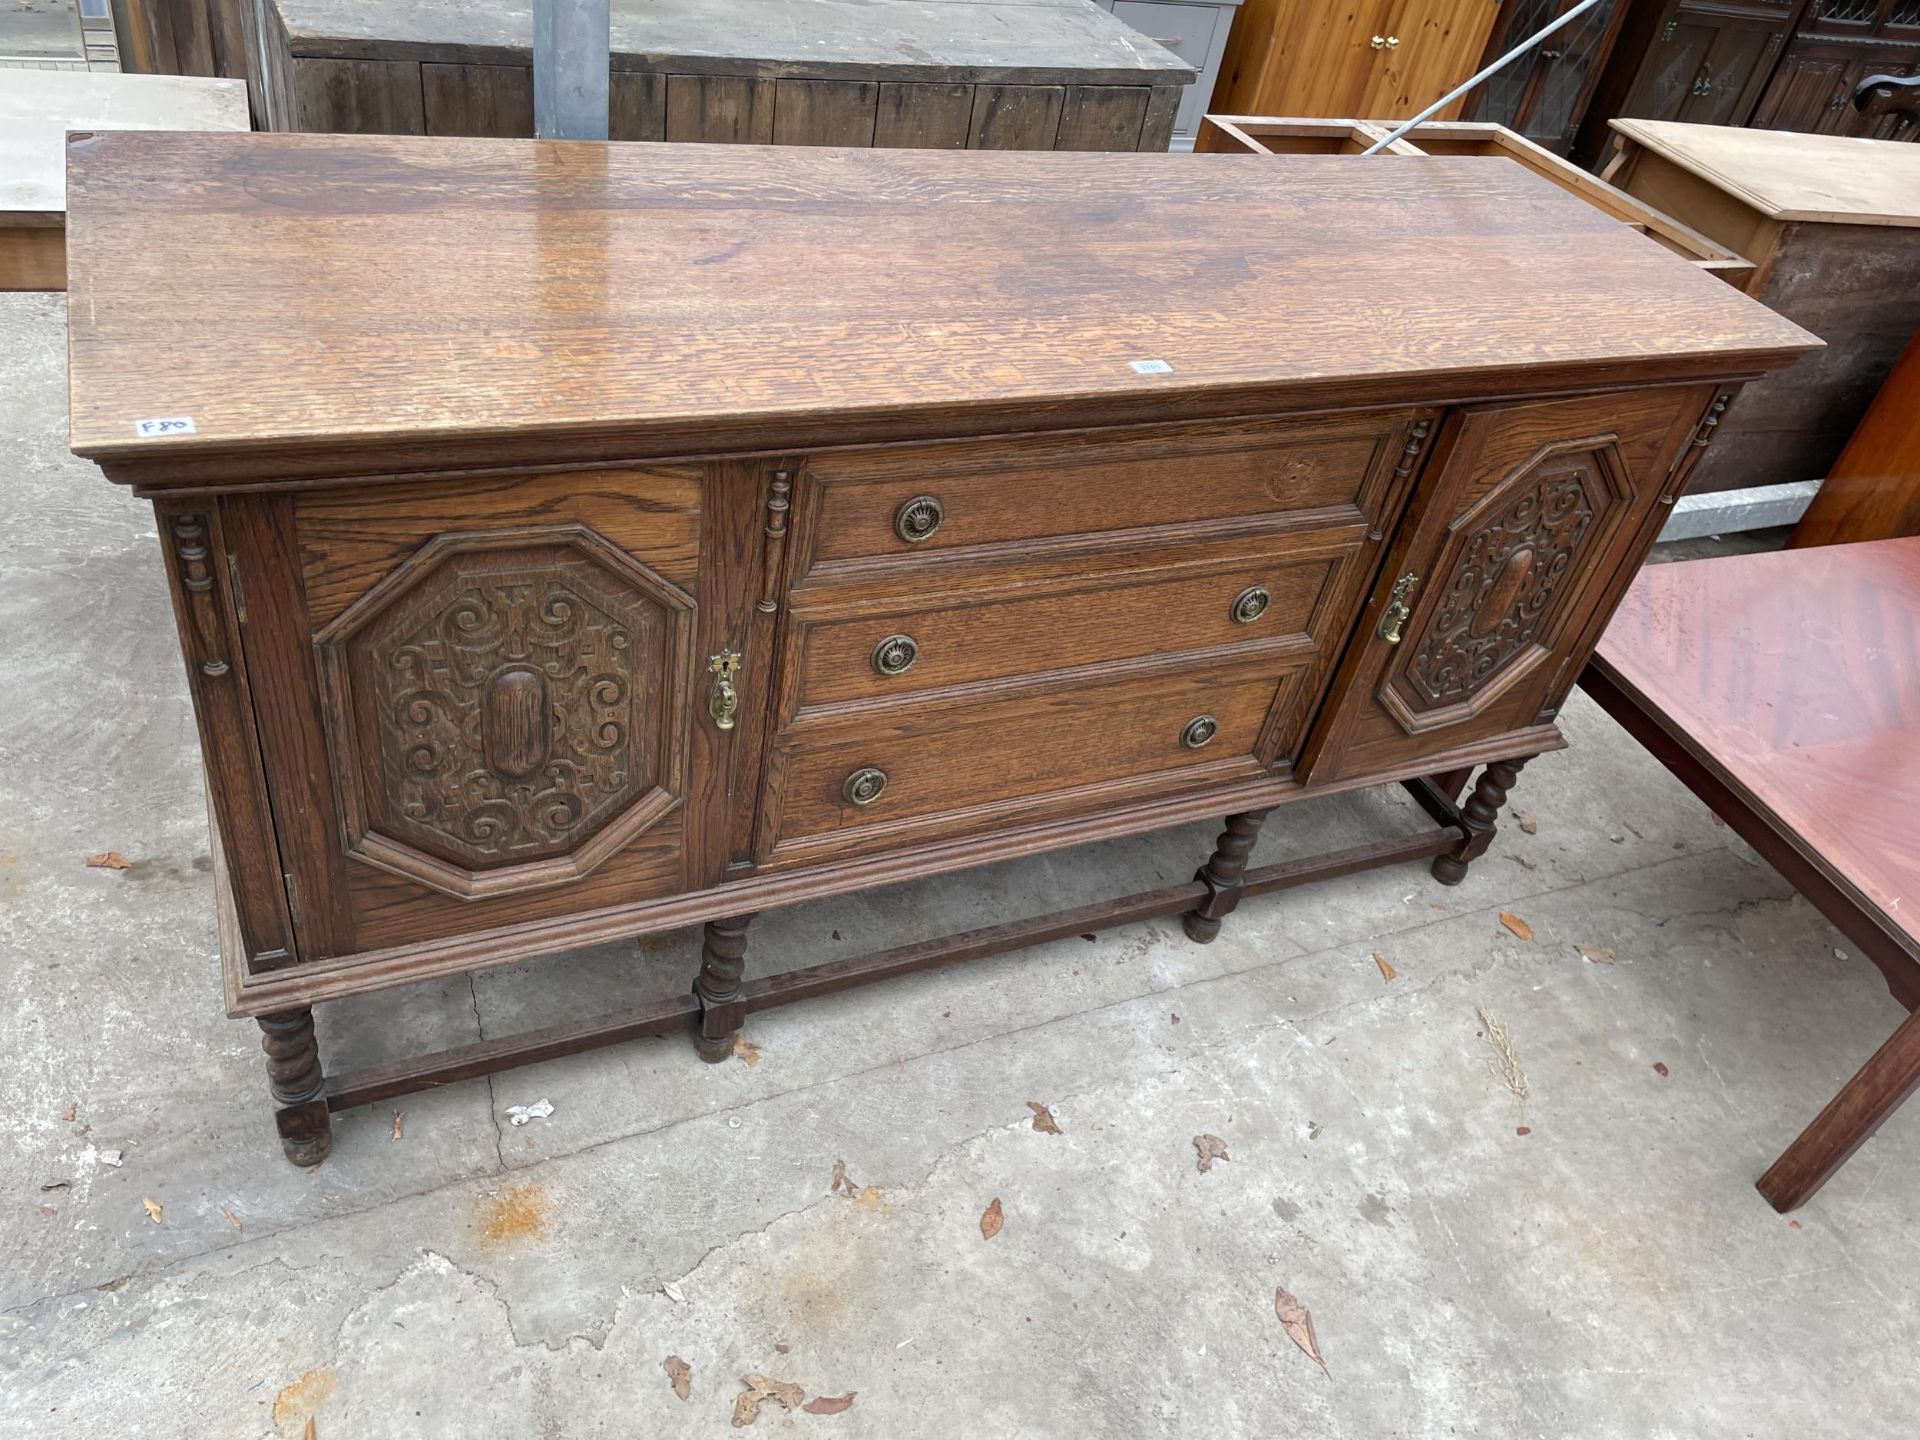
299, 1090
1478, 817
1221, 875
723, 1006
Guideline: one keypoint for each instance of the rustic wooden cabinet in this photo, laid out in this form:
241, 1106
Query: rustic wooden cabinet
657, 535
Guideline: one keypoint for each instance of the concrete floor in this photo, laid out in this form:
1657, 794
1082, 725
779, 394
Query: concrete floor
1589, 1260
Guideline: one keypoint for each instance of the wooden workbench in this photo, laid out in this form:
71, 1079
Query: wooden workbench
39, 107
944, 74
1832, 226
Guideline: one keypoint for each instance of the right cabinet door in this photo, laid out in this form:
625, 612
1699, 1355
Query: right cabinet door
1522, 536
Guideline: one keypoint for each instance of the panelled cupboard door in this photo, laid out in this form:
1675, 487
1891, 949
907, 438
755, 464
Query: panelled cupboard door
494, 705
1426, 48
1475, 628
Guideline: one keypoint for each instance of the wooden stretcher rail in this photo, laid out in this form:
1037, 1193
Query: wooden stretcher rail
375, 1083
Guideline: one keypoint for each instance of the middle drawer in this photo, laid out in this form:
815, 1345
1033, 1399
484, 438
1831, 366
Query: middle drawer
893, 643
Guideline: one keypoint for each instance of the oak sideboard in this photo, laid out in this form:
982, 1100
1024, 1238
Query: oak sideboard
572, 542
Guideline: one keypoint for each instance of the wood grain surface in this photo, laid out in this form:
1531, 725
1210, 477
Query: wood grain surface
378, 289
1872, 492
1791, 176
1795, 676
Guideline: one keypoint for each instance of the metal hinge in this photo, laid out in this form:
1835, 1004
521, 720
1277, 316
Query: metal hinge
239, 595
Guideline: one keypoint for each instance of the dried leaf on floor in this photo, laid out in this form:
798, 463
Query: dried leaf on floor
72, 1110
829, 1404
745, 1049
48, 1211
991, 1219
109, 860
1618, 839
1514, 923
1523, 862
153, 1208
1504, 1063
1209, 1148
1313, 1130
1524, 820
1298, 1323
1598, 954
521, 1114
842, 1182
746, 1405
1718, 822
399, 1119
1523, 1129
674, 1293
312, 1432
112, 1158
1043, 1120
1660, 1069
1176, 1016
233, 1219
1387, 972
679, 1375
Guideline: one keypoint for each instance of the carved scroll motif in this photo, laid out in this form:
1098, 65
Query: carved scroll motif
508, 703
1503, 586
506, 709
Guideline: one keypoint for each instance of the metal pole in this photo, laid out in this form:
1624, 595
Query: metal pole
1464, 86
571, 51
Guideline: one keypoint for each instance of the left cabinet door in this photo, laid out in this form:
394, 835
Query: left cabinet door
480, 701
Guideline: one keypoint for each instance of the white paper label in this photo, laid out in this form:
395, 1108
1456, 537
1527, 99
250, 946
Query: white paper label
1151, 367
166, 425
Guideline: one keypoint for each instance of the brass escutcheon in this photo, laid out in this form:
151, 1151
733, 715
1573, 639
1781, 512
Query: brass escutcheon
918, 519
1199, 731
864, 786
895, 655
723, 701
1250, 604
1397, 611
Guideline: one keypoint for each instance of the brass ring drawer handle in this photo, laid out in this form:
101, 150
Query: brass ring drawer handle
918, 519
895, 655
1199, 731
864, 786
1250, 604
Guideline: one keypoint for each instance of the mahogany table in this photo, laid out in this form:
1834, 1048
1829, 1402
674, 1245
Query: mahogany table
1784, 690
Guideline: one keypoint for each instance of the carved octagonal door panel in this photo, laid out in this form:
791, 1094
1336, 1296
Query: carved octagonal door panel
1503, 580
1524, 532
507, 709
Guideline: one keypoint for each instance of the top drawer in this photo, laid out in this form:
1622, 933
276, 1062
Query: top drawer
905, 504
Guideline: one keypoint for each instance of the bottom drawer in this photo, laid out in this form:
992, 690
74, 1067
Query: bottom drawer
1081, 747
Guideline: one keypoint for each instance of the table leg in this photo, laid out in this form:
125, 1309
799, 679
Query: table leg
723, 1005
1222, 875
299, 1090
1478, 816
1883, 1083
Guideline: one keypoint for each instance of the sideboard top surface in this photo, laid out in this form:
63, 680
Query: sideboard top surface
1072, 42
289, 293
1785, 175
